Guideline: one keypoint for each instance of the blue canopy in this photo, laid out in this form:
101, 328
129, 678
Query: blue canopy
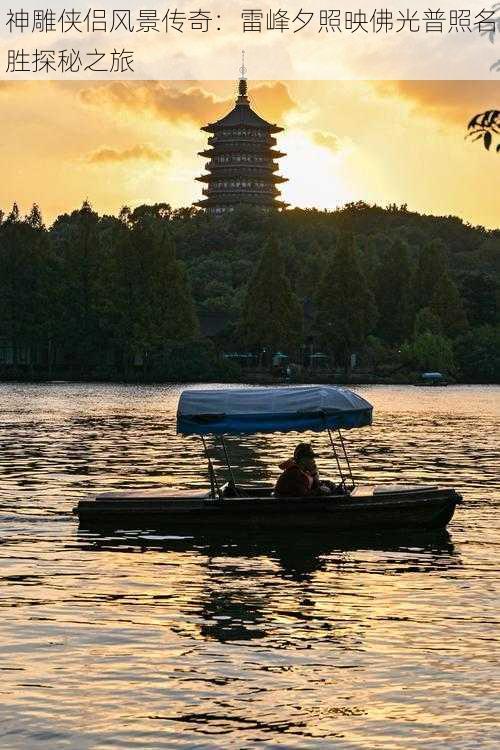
289, 409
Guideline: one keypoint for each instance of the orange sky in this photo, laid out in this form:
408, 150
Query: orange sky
126, 143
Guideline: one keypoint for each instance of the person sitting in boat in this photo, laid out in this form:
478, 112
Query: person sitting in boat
300, 474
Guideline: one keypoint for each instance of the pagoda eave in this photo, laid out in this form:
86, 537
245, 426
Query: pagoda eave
215, 127
230, 172
232, 147
209, 203
245, 197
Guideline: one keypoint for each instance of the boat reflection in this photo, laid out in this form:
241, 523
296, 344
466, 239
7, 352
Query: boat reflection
299, 553
248, 585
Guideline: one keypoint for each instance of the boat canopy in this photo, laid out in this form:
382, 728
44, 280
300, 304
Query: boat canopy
287, 409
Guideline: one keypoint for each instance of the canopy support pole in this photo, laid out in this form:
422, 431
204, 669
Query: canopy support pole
214, 486
336, 457
353, 484
226, 454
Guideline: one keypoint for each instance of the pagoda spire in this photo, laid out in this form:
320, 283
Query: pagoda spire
242, 85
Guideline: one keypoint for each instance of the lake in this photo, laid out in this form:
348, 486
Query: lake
144, 640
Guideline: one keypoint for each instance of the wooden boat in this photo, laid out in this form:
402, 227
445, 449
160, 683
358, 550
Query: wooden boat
419, 508
345, 508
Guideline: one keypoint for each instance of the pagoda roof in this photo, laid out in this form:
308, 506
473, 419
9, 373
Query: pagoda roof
242, 114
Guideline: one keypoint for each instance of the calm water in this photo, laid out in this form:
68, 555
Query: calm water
140, 640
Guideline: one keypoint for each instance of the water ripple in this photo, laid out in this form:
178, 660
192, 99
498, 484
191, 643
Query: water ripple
148, 640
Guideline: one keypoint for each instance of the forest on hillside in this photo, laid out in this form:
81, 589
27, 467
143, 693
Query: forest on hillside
135, 296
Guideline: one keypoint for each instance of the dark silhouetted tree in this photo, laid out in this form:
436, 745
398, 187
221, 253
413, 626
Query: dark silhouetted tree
77, 246
14, 214
478, 354
346, 309
393, 293
28, 280
481, 296
34, 218
153, 304
272, 315
430, 351
432, 264
427, 321
447, 306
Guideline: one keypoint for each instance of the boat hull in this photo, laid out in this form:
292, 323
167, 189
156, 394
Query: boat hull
416, 509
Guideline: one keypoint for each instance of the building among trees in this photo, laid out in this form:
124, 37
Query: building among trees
242, 162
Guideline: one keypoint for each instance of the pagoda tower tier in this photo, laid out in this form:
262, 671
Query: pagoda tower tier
242, 161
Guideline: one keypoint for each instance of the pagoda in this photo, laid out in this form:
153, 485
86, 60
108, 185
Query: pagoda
242, 163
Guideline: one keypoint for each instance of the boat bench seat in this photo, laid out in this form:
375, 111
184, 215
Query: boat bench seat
231, 490
366, 490
371, 490
152, 494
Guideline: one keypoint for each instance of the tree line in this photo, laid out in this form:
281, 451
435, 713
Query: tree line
129, 296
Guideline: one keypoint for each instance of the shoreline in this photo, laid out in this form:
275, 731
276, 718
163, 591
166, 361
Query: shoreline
251, 381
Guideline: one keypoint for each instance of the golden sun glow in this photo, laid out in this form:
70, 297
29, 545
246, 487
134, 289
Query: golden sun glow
126, 143
313, 172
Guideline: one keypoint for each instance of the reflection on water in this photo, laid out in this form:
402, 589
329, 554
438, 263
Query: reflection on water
119, 639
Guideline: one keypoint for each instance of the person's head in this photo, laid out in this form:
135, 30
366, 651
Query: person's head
303, 451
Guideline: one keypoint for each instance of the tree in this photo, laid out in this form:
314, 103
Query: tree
430, 351
34, 218
272, 315
481, 295
478, 354
14, 216
304, 265
81, 333
346, 309
377, 353
446, 305
152, 301
427, 322
161, 211
27, 284
393, 292
371, 249
432, 264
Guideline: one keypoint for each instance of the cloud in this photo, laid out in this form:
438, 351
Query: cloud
154, 97
166, 102
112, 156
327, 140
14, 87
449, 101
272, 99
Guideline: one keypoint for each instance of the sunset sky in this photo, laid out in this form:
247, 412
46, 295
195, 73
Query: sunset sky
126, 143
